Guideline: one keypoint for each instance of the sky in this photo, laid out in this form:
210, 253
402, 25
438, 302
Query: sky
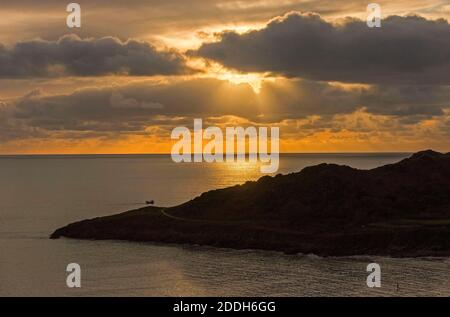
137, 69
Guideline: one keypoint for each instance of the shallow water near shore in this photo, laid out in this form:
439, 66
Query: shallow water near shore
41, 193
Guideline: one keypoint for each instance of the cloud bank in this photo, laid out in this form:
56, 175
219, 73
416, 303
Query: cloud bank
73, 56
134, 107
405, 50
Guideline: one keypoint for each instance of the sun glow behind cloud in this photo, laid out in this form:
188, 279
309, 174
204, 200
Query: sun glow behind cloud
184, 40
217, 71
253, 79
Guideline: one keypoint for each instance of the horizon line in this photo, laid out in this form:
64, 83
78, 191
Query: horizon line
143, 154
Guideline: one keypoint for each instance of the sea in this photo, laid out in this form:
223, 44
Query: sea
39, 194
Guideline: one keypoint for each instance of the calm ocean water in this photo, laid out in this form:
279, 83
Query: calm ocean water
40, 194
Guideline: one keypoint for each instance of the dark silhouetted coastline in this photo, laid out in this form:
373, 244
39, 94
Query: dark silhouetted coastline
400, 210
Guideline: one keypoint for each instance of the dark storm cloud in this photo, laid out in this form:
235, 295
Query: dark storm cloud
407, 100
71, 55
133, 108
405, 50
300, 98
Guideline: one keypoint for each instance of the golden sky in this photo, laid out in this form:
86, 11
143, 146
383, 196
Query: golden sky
138, 68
